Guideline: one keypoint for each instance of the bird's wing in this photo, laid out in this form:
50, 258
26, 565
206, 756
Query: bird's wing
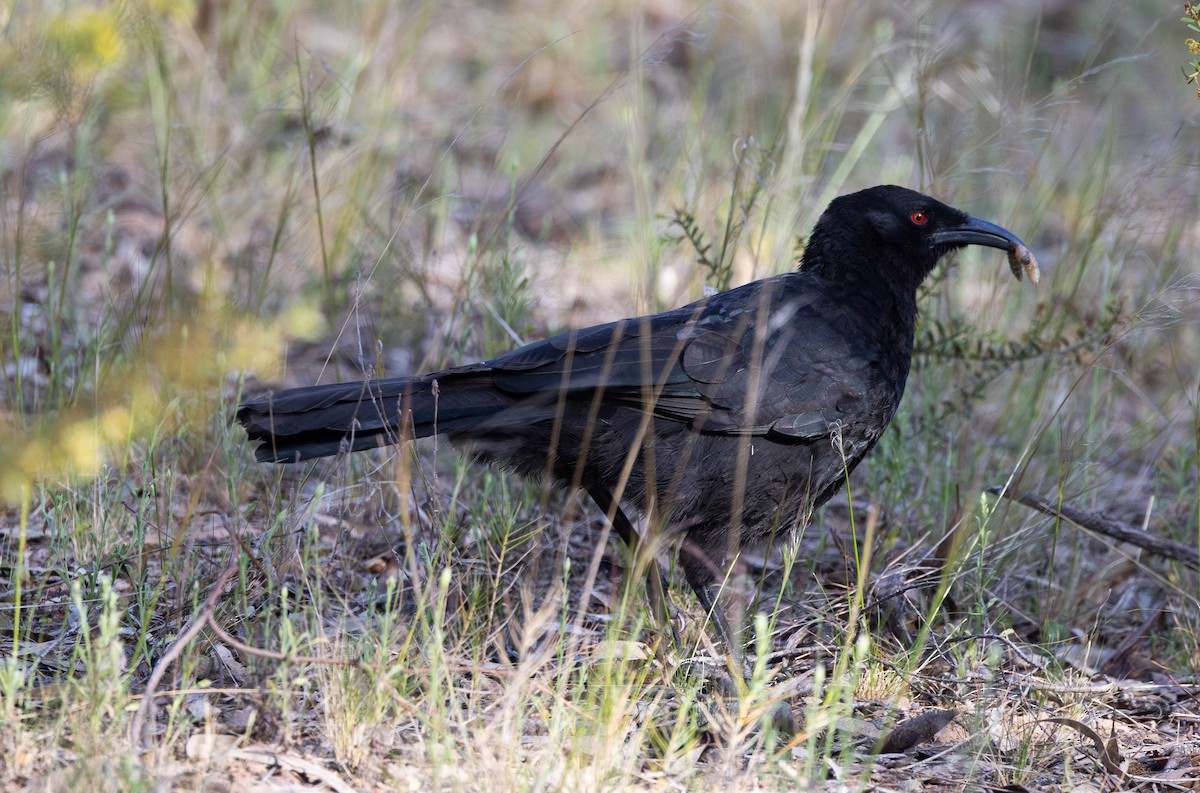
800, 370
615, 356
773, 357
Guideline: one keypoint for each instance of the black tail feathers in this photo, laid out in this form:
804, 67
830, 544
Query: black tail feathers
319, 421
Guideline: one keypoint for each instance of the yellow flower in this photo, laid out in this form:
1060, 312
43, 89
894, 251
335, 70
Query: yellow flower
1193, 45
89, 38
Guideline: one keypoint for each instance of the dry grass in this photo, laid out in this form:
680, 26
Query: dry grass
204, 198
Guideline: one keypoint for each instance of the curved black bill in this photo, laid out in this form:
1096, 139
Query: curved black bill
978, 232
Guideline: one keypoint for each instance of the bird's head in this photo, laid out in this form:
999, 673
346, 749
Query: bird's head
899, 234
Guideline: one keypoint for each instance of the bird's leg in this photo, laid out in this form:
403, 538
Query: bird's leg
698, 570
699, 578
654, 578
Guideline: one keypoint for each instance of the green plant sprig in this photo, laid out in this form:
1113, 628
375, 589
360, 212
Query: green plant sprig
1192, 19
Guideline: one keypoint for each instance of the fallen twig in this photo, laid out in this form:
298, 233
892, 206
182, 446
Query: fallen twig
1106, 526
204, 618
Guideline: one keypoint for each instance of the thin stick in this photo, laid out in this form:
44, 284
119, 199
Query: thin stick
145, 707
1100, 524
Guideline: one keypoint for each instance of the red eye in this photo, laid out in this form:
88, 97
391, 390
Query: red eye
919, 218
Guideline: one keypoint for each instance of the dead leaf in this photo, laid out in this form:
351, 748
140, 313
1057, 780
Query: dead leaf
917, 730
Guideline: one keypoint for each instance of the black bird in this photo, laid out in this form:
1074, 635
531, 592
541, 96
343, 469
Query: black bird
728, 419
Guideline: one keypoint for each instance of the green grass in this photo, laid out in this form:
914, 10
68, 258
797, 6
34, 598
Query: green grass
200, 203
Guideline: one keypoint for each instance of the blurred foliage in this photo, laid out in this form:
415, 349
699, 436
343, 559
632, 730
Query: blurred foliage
175, 379
59, 56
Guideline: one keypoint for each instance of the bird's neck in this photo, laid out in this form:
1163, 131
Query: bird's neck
840, 259
886, 313
881, 288
890, 304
